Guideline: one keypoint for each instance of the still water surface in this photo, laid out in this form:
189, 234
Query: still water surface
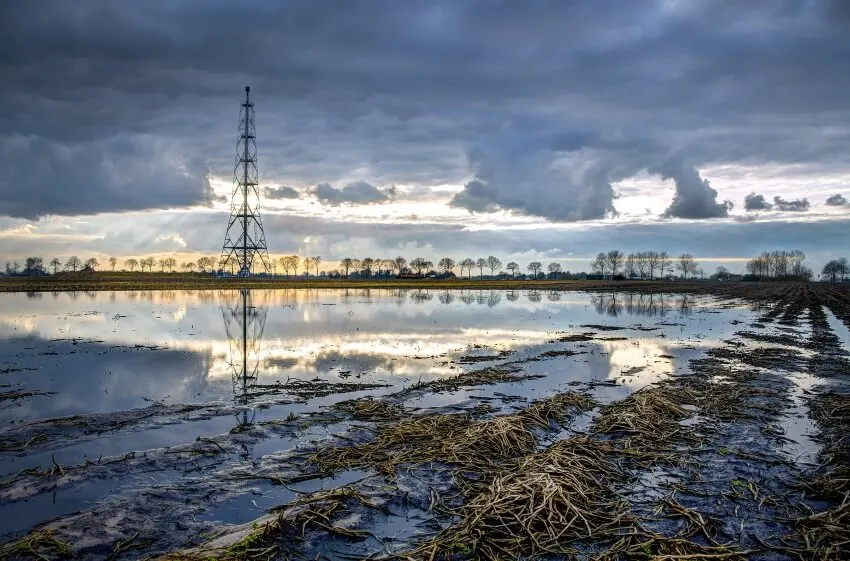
90, 354
102, 352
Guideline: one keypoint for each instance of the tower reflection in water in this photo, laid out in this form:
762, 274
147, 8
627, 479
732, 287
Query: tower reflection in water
244, 322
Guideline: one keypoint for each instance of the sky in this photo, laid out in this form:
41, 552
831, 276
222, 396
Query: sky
538, 130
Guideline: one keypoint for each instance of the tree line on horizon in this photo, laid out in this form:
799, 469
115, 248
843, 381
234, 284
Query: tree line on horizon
614, 264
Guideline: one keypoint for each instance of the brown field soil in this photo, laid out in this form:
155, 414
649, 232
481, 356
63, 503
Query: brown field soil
182, 281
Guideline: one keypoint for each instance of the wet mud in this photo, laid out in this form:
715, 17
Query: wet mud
660, 429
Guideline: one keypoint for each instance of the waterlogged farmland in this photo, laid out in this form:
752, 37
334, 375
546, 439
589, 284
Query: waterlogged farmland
425, 424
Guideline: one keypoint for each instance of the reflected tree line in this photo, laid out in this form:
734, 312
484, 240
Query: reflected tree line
614, 304
609, 303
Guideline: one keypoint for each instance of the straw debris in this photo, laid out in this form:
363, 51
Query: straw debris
454, 439
650, 545
279, 535
369, 409
481, 377
41, 544
651, 414
540, 505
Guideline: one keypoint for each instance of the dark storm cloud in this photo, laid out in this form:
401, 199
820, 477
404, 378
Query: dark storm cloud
836, 200
282, 192
405, 90
756, 202
694, 196
42, 177
357, 193
555, 179
797, 205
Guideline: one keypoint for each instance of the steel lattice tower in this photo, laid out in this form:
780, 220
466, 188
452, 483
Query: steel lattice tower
245, 240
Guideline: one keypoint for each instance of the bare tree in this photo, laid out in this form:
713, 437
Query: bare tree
797, 266
419, 263
722, 274
346, 264
653, 263
599, 264
614, 258
316, 262
356, 265
205, 263
112, 262
73, 263
513, 267
555, 269
686, 265
630, 267
641, 263
535, 267
55, 263
92, 263
480, 263
833, 270
34, 266
493, 263
446, 264
665, 263
467, 264
367, 263
289, 263
388, 265
400, 264
308, 264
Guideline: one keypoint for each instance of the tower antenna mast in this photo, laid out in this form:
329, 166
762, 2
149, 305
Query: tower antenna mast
244, 251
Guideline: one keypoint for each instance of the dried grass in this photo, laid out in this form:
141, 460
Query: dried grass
650, 545
542, 504
454, 439
42, 544
651, 414
370, 409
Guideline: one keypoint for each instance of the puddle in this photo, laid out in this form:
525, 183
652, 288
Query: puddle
248, 507
838, 328
796, 423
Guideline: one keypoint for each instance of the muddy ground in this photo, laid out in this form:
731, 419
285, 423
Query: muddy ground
744, 454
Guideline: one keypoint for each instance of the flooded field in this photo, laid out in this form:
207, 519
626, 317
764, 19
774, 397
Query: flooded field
423, 424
